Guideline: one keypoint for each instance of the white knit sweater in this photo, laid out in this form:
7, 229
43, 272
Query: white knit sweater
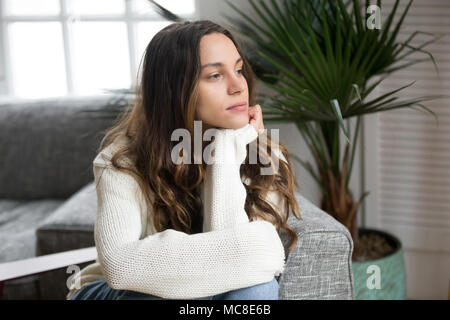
229, 254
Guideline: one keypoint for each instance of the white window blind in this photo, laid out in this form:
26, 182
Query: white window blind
408, 164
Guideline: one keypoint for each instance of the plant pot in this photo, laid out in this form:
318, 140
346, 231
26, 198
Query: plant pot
383, 278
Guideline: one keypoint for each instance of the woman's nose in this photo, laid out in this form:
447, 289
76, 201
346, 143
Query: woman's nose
237, 83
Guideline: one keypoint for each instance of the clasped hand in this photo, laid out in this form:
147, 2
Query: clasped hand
230, 144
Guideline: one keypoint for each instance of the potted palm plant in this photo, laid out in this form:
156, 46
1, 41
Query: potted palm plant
323, 61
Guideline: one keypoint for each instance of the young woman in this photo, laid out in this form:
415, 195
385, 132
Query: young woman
170, 229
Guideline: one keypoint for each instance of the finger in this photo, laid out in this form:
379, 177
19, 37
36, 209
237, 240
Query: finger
254, 124
257, 115
257, 108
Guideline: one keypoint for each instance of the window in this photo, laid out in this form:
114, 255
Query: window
76, 47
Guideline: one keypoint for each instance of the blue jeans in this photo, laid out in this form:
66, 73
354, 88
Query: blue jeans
100, 290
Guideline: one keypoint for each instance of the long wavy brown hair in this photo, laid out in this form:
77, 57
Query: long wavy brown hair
166, 98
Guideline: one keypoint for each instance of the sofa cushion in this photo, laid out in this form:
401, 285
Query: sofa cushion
18, 223
73, 221
48, 145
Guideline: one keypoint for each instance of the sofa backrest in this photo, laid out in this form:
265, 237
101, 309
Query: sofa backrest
47, 145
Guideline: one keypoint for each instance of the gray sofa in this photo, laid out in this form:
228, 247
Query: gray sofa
48, 203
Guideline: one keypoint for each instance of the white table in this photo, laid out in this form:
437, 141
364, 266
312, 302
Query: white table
27, 267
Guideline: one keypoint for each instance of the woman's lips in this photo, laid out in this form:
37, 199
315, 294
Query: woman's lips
238, 108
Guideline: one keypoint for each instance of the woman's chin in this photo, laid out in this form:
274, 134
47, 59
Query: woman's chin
238, 123
232, 123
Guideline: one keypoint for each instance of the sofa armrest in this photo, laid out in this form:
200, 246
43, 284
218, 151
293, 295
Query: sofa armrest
320, 265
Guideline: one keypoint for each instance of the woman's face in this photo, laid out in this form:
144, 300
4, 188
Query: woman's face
221, 84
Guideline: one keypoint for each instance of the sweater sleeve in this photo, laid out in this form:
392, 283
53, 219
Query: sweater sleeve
224, 193
173, 264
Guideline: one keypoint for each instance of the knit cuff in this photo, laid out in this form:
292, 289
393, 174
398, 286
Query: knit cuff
268, 253
231, 144
246, 134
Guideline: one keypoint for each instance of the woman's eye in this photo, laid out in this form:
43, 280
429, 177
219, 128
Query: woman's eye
211, 77
217, 74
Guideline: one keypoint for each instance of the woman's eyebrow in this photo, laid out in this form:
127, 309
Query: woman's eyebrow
218, 64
